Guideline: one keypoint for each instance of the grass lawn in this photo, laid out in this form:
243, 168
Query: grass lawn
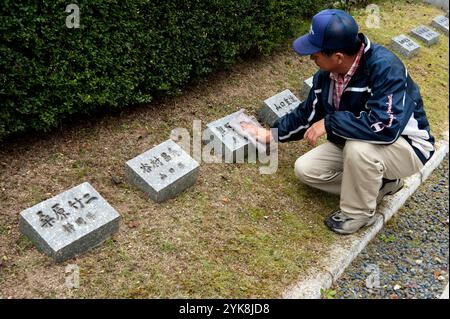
235, 233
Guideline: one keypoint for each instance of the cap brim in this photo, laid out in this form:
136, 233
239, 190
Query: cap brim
303, 47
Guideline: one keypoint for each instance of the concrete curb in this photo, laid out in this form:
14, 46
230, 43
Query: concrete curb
342, 253
445, 293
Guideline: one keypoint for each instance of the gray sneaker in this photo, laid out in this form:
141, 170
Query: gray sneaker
340, 223
389, 187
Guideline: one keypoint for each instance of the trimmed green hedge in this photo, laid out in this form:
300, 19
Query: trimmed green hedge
125, 52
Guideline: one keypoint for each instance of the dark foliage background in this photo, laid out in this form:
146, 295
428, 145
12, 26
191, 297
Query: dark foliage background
125, 52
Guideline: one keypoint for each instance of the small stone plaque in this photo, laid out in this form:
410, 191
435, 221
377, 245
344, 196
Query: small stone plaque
425, 34
70, 223
441, 23
228, 142
277, 106
405, 46
307, 86
163, 171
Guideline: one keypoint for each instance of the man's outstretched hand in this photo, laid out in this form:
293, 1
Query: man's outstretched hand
262, 135
311, 135
314, 132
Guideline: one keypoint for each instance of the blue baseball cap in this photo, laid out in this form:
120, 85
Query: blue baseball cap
331, 29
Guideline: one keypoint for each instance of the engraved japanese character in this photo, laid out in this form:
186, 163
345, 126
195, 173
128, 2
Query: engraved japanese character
171, 170
287, 101
90, 215
89, 198
163, 176
166, 157
146, 168
221, 130
292, 99
68, 228
181, 165
80, 221
156, 162
46, 220
277, 107
74, 204
60, 212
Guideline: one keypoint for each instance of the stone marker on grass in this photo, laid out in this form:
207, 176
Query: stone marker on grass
405, 46
307, 86
226, 141
277, 106
70, 223
441, 23
163, 171
426, 34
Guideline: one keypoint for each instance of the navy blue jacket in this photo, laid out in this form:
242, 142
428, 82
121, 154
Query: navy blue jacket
380, 103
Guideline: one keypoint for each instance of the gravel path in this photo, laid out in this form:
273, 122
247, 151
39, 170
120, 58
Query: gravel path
409, 257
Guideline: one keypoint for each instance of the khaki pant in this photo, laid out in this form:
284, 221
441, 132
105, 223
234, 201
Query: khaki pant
356, 171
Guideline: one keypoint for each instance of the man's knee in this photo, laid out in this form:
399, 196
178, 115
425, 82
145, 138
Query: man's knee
363, 156
302, 169
355, 150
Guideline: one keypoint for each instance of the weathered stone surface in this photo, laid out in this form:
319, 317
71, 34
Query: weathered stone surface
441, 23
405, 46
277, 106
228, 144
426, 34
163, 171
70, 223
307, 86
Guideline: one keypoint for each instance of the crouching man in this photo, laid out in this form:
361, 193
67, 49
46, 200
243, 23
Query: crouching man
372, 113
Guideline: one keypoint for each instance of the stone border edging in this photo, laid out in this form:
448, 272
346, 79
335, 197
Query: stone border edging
445, 293
343, 253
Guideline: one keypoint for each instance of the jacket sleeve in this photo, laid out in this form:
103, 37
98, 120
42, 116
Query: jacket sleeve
293, 125
385, 115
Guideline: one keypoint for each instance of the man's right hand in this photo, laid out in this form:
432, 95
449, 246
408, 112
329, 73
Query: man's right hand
261, 134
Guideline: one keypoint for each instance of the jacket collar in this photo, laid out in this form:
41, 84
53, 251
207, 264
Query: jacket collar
363, 69
367, 43
367, 51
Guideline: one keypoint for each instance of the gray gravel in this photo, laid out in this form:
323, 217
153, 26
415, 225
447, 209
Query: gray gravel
409, 257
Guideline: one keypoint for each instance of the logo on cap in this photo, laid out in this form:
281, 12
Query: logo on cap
311, 31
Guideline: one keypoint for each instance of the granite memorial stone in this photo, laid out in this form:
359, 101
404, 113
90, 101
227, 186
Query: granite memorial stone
163, 171
405, 46
441, 23
426, 34
70, 223
229, 143
277, 106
